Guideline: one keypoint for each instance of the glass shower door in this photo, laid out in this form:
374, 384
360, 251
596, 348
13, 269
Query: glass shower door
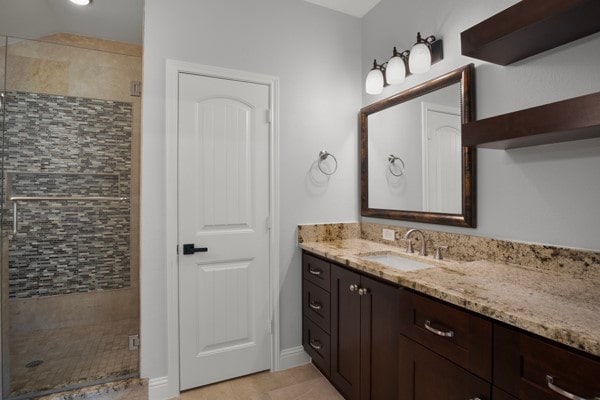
3, 267
69, 232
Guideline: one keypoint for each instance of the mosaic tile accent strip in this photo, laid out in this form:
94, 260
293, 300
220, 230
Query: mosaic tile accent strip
67, 146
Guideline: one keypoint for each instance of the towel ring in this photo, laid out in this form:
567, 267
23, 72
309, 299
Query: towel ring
323, 154
392, 162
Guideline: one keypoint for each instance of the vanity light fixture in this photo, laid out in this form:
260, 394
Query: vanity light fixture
424, 53
375, 79
419, 60
395, 72
81, 2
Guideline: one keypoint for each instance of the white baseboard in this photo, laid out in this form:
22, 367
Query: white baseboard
158, 388
292, 357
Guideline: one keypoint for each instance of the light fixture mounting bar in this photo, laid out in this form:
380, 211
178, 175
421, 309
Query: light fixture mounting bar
437, 51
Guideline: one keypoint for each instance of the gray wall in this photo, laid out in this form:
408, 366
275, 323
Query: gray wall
316, 54
544, 194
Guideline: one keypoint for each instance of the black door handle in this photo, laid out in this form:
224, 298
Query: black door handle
190, 249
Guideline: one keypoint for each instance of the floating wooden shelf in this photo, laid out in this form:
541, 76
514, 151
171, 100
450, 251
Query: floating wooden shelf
574, 119
530, 27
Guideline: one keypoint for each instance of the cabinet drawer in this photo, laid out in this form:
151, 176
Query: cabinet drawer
316, 342
316, 271
523, 363
316, 305
458, 335
424, 375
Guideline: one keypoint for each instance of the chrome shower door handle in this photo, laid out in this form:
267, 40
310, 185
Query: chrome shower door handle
15, 226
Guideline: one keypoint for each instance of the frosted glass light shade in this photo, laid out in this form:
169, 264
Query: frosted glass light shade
374, 82
419, 60
395, 72
81, 2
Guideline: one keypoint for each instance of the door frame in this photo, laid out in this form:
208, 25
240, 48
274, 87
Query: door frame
425, 108
173, 69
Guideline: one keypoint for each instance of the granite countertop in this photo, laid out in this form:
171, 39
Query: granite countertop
558, 306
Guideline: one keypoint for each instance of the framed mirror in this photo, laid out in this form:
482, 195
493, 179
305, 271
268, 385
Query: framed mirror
413, 164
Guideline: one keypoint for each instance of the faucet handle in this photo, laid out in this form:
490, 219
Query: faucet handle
409, 246
438, 252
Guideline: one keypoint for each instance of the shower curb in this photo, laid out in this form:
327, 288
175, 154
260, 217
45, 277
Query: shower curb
130, 389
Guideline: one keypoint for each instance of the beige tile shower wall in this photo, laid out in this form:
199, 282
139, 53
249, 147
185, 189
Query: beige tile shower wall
2, 61
93, 68
87, 42
71, 310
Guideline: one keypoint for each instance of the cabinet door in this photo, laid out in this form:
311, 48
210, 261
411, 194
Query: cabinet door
531, 368
345, 332
423, 375
379, 340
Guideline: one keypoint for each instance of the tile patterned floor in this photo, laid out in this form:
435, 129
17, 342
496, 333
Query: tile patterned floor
72, 356
301, 383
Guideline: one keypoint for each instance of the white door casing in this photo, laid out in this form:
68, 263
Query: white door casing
442, 158
224, 318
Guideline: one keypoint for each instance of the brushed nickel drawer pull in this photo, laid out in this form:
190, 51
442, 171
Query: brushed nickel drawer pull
363, 291
431, 329
314, 305
313, 271
563, 392
315, 345
353, 287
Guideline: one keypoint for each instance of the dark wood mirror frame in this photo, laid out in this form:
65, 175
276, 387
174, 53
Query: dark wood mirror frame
464, 76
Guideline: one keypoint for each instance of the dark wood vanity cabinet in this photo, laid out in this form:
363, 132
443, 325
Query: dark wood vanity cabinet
378, 341
350, 329
531, 368
364, 333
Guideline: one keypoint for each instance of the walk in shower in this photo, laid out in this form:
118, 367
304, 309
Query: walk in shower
70, 126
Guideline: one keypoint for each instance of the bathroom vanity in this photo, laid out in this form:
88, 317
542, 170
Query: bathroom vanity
456, 330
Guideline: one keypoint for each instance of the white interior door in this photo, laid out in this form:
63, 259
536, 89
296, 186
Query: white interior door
442, 159
223, 181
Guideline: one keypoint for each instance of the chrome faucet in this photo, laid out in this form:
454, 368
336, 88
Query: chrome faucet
423, 251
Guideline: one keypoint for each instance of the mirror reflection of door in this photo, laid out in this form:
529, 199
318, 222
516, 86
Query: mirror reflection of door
442, 181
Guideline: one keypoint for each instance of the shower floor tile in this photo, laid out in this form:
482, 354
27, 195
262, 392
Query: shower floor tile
72, 356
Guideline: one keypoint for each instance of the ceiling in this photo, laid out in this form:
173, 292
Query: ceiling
356, 8
120, 20
107, 19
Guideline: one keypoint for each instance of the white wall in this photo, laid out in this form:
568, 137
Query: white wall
544, 194
316, 54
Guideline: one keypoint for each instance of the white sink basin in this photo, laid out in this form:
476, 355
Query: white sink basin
392, 260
